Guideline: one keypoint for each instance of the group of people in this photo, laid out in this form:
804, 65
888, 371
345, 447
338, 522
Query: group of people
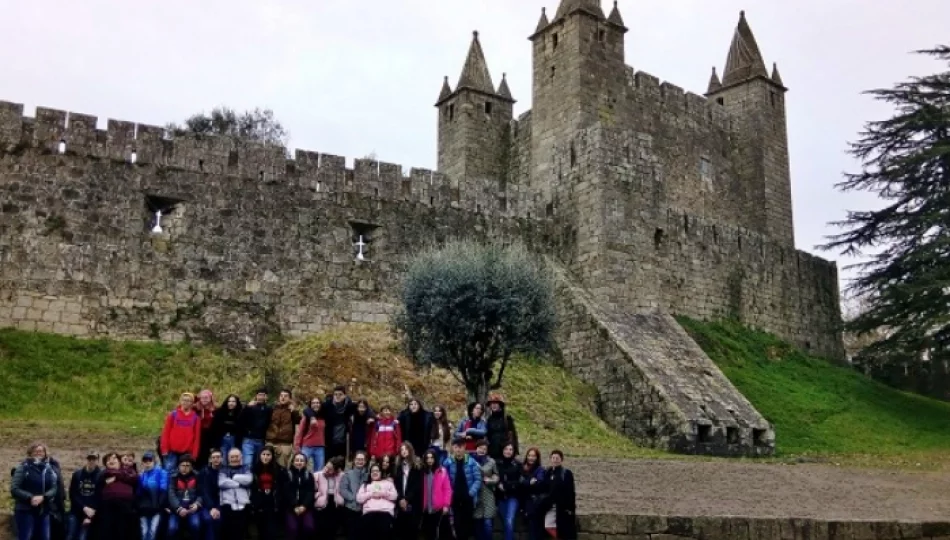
220, 471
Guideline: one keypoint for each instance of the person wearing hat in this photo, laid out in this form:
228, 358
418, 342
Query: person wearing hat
181, 434
82, 497
499, 427
152, 496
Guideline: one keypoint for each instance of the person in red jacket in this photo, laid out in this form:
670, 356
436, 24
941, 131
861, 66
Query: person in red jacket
385, 435
181, 434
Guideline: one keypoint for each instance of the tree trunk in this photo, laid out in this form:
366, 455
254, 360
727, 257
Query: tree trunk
477, 390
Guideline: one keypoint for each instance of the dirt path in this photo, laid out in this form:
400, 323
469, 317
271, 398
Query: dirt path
671, 487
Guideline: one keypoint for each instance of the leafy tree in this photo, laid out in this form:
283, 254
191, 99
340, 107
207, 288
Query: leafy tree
470, 307
256, 125
905, 282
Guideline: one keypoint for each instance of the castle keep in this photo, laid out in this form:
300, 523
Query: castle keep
647, 201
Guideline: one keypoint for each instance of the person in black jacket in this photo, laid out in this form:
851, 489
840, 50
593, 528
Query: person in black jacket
268, 484
509, 481
337, 409
226, 429
211, 495
299, 499
415, 423
407, 475
559, 504
82, 498
254, 421
499, 426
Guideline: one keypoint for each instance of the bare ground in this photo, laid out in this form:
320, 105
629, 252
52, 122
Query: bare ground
665, 487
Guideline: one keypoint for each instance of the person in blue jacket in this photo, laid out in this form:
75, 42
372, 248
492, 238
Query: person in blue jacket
151, 496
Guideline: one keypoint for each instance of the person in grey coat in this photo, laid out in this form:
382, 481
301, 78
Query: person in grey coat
350, 485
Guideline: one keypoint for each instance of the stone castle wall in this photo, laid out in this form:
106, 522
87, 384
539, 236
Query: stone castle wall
256, 242
253, 243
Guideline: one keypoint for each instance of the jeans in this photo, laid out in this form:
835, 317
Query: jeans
484, 529
171, 462
227, 443
250, 448
314, 455
76, 529
508, 511
212, 526
193, 521
31, 525
149, 526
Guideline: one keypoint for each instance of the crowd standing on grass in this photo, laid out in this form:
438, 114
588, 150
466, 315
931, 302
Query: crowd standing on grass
337, 466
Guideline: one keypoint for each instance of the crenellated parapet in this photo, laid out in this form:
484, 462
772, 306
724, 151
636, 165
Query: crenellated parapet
53, 131
649, 91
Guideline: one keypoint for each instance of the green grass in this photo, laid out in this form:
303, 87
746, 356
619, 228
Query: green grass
819, 408
104, 386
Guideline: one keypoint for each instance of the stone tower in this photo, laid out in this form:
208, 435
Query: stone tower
578, 60
756, 102
473, 120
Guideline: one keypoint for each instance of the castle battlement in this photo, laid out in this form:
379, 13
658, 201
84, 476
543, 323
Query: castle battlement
649, 91
145, 144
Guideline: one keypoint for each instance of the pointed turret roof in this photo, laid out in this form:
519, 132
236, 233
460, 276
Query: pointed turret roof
570, 6
615, 17
503, 90
714, 82
776, 77
543, 21
446, 89
475, 73
744, 61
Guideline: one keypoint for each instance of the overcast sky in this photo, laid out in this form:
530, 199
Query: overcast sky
352, 77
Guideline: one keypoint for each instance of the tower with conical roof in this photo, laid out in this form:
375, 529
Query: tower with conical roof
755, 100
473, 119
578, 58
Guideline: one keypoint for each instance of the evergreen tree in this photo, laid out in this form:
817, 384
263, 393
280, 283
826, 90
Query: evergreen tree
469, 308
905, 281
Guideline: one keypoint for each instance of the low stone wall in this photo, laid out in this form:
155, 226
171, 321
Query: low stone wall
618, 527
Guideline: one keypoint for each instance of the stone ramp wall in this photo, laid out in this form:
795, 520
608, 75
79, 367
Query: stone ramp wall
656, 384
620, 527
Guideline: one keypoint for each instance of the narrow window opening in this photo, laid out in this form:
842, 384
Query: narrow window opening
452, 111
431, 201
549, 209
553, 70
686, 223
62, 146
740, 242
658, 238
601, 36
260, 176
488, 107
554, 41
758, 437
478, 208
772, 98
721, 101
732, 435
573, 156
704, 433
376, 192
201, 165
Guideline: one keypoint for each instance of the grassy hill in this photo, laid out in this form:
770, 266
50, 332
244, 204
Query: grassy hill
125, 388
820, 408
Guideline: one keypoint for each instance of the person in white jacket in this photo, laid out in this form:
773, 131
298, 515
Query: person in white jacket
234, 481
378, 497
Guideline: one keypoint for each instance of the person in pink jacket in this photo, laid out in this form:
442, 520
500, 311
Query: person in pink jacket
378, 497
436, 498
329, 501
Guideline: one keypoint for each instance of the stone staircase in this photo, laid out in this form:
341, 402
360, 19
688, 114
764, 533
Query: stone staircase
656, 385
